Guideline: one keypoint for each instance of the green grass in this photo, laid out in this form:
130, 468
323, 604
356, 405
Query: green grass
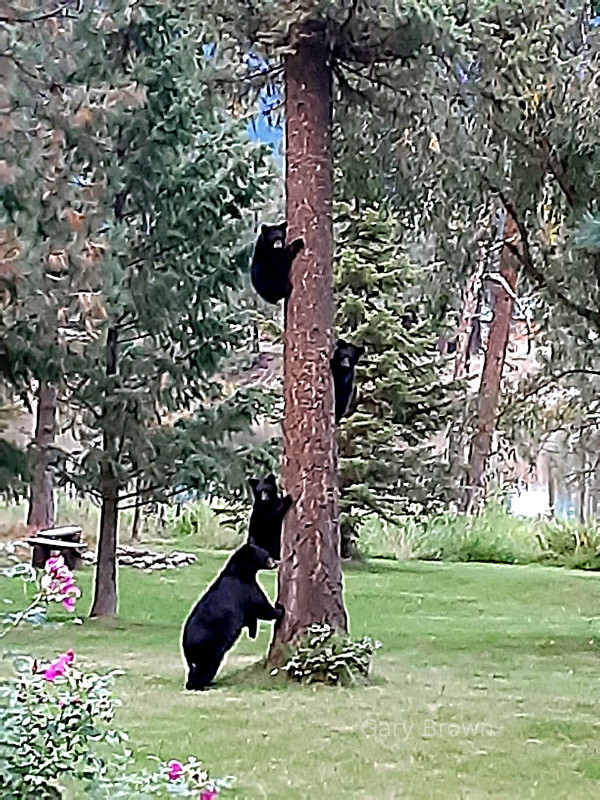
511, 648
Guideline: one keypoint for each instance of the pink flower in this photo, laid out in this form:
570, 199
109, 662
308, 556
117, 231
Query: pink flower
69, 604
209, 794
175, 770
52, 672
59, 584
59, 666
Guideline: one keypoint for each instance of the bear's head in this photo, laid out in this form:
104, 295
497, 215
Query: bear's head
274, 235
265, 490
250, 558
346, 355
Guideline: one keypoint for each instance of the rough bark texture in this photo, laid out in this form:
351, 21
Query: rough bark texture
489, 390
41, 499
310, 578
105, 579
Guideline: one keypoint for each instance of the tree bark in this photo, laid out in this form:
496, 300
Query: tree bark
310, 577
105, 578
489, 390
41, 498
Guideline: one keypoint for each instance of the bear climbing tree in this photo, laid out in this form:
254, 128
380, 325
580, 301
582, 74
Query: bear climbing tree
310, 579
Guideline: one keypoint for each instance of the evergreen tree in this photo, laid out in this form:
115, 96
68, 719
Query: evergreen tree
175, 180
388, 460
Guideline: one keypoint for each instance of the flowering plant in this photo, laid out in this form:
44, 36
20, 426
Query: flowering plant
55, 730
55, 722
56, 585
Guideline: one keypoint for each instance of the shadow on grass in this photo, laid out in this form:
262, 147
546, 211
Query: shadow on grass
253, 676
256, 676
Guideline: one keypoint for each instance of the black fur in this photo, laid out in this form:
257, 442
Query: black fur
344, 360
234, 601
267, 515
272, 261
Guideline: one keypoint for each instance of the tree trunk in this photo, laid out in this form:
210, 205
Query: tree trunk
310, 577
105, 579
489, 390
41, 499
466, 326
137, 513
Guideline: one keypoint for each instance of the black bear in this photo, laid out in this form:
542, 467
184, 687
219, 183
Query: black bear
272, 261
233, 602
268, 512
344, 360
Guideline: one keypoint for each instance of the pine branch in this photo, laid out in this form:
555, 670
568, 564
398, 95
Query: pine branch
551, 381
31, 20
524, 256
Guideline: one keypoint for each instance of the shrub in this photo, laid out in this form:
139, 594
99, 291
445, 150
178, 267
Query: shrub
55, 730
566, 543
327, 656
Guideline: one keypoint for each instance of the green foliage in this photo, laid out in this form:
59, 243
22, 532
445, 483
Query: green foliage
50, 730
199, 524
388, 459
14, 468
494, 536
55, 721
500, 116
57, 735
570, 545
327, 656
142, 233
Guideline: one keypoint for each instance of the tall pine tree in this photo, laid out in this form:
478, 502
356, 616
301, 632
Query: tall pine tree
389, 463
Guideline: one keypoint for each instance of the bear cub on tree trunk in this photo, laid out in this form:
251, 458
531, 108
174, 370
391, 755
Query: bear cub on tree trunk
272, 261
233, 602
344, 360
268, 512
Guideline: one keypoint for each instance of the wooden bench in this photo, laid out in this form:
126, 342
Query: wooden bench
62, 541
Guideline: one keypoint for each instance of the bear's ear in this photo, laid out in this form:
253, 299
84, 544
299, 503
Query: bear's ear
264, 228
271, 479
283, 226
341, 343
253, 483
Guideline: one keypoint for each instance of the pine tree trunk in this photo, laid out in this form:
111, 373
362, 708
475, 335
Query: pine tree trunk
105, 579
310, 578
41, 498
489, 390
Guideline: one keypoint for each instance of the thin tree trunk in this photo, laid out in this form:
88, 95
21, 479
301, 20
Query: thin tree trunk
310, 577
41, 498
489, 390
467, 320
137, 513
105, 579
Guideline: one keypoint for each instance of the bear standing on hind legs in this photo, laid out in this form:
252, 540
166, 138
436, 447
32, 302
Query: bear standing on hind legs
272, 261
234, 601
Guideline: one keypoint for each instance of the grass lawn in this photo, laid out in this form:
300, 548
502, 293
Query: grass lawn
507, 654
